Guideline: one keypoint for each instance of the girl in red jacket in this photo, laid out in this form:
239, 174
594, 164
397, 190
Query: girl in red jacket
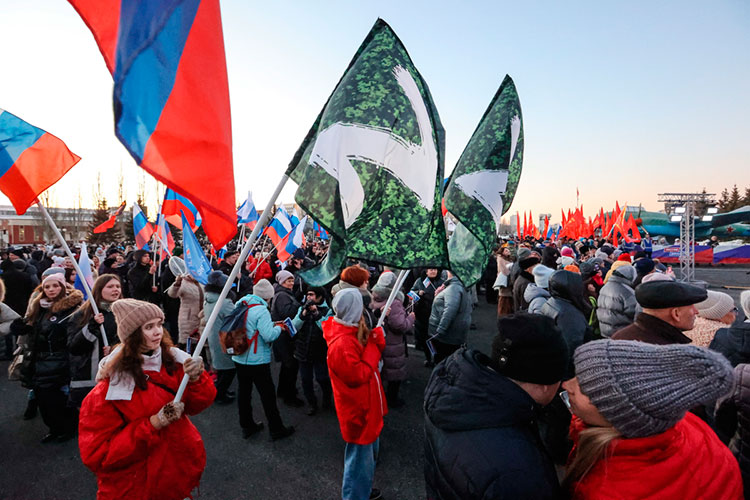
132, 436
633, 438
353, 356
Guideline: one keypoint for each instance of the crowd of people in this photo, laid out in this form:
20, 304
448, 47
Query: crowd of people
607, 378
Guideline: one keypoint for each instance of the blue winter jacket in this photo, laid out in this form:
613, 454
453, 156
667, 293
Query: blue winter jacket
258, 318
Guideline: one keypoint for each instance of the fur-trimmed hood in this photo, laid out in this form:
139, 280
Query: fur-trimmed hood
73, 299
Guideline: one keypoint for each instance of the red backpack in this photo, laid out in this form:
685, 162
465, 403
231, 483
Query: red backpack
233, 331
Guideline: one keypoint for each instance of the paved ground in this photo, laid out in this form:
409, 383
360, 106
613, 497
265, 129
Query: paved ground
305, 466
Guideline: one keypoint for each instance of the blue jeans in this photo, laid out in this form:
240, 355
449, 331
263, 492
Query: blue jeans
359, 470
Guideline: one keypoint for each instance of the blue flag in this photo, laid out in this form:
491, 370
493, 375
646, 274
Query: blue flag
85, 264
195, 260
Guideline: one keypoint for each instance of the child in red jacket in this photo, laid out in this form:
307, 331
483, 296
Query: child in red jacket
353, 356
131, 435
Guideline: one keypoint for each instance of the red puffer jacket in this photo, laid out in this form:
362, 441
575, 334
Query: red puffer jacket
130, 458
686, 462
263, 271
357, 390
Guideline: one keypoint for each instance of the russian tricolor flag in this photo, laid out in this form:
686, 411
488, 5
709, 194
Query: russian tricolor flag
165, 235
31, 160
171, 97
142, 228
279, 227
247, 214
319, 231
292, 241
85, 264
174, 205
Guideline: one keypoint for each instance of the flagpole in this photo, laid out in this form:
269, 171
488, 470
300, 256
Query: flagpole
239, 245
75, 265
396, 288
230, 281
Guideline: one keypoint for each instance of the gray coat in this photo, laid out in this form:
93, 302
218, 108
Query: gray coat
536, 297
450, 317
616, 304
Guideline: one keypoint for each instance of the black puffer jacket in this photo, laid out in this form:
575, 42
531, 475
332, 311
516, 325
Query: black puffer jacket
309, 344
566, 308
481, 439
733, 343
283, 305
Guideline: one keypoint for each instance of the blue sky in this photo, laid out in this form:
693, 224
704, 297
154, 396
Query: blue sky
622, 100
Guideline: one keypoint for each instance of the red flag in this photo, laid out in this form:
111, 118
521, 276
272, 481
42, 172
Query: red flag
525, 226
110, 223
171, 98
518, 225
546, 225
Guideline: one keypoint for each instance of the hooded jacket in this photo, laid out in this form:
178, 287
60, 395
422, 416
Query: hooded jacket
686, 462
733, 343
219, 359
133, 460
357, 389
397, 324
450, 317
565, 307
520, 284
284, 304
536, 296
481, 439
258, 319
616, 304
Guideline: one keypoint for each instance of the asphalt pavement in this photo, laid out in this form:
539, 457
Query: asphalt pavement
307, 465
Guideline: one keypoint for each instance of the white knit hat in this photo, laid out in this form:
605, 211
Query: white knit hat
716, 306
263, 289
745, 301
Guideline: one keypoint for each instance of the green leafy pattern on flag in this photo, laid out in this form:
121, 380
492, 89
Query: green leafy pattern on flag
370, 134
484, 182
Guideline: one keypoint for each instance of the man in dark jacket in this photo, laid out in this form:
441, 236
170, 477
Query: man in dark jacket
481, 439
668, 310
310, 348
17, 256
18, 285
525, 278
450, 318
141, 278
284, 305
550, 254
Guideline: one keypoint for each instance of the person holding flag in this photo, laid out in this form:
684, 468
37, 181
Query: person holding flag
84, 336
140, 277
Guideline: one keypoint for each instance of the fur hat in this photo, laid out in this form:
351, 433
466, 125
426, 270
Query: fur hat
716, 306
217, 279
131, 314
263, 289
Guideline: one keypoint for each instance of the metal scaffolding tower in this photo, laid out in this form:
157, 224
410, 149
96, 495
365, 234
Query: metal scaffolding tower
682, 207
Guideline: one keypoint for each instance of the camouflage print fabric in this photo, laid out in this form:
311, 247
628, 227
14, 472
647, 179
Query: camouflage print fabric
483, 184
369, 170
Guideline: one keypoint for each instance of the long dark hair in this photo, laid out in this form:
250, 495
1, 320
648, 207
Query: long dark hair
86, 311
130, 360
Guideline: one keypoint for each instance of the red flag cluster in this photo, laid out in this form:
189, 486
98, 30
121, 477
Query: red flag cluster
614, 225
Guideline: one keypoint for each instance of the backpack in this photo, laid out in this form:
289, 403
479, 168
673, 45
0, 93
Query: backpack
233, 332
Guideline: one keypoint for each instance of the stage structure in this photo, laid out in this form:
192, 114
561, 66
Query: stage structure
684, 208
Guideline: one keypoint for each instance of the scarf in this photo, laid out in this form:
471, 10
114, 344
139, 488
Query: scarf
122, 385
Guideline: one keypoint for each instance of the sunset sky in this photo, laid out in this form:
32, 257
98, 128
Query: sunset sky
622, 100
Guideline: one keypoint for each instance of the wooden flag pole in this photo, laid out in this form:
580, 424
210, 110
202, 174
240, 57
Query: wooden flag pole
396, 288
75, 265
230, 281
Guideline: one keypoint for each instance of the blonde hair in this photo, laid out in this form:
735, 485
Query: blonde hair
362, 331
593, 444
2, 291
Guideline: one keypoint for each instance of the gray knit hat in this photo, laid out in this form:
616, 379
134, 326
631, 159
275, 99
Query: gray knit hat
131, 314
644, 389
263, 289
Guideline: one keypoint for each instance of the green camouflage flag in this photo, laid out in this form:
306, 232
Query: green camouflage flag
484, 182
369, 170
